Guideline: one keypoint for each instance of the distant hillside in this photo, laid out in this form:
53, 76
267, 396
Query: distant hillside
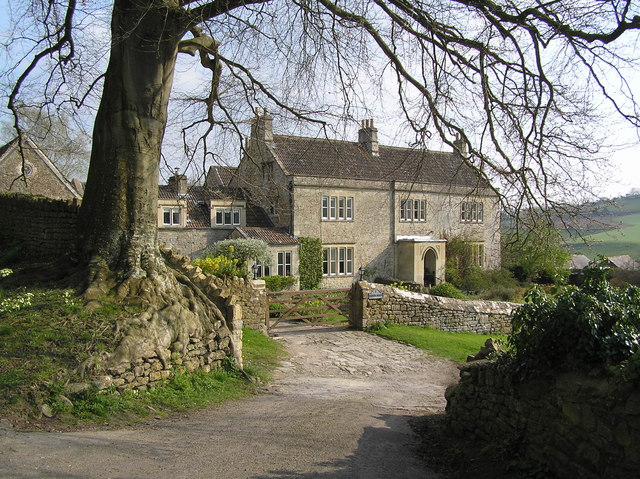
610, 228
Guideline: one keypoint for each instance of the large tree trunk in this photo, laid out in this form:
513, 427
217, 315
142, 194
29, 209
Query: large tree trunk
118, 218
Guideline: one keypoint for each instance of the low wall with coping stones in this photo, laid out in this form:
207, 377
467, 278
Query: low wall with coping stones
576, 424
415, 309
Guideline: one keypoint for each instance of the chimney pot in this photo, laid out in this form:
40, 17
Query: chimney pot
178, 182
262, 126
368, 137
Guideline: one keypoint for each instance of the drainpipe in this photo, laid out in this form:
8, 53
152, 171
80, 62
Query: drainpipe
393, 228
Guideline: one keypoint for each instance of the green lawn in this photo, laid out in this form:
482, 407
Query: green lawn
454, 346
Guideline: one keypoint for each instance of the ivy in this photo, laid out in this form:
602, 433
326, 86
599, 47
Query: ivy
310, 258
597, 325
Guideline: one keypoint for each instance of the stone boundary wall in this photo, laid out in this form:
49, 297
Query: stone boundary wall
576, 424
415, 309
250, 296
42, 226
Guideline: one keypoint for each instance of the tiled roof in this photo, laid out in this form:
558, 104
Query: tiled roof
219, 176
320, 157
195, 193
268, 235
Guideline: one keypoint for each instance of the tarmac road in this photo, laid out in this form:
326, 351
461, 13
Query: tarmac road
338, 408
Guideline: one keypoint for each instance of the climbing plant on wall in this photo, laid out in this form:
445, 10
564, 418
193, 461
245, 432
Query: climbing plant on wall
310, 263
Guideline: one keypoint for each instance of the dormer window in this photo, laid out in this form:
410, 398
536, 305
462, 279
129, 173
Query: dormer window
227, 216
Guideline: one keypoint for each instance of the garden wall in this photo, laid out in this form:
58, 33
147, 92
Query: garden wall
42, 226
377, 303
576, 424
243, 304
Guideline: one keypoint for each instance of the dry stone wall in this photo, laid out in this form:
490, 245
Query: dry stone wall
42, 226
207, 349
377, 303
576, 424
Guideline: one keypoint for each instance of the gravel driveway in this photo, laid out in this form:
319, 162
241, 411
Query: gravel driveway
338, 408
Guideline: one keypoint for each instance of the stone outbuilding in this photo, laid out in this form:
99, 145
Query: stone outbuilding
37, 175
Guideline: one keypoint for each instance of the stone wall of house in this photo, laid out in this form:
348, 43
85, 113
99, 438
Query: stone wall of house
41, 226
414, 309
191, 241
576, 424
376, 221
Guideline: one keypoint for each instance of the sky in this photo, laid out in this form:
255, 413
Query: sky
622, 178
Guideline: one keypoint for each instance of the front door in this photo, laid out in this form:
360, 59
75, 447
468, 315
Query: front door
430, 268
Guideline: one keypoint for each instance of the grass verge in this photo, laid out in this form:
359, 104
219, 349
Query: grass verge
45, 333
454, 346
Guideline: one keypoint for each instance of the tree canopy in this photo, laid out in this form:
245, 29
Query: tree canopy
520, 85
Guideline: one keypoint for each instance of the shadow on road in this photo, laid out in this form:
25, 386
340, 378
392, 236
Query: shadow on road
392, 451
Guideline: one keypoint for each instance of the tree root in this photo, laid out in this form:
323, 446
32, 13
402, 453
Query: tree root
178, 316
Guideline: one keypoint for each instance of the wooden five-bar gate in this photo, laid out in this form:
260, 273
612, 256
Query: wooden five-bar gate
323, 308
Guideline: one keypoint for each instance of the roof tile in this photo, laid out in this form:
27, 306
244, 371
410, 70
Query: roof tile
321, 157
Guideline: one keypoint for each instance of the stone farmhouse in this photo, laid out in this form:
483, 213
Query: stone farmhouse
41, 176
379, 211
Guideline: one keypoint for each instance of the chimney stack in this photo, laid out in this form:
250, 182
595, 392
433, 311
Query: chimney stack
262, 126
178, 182
460, 145
368, 137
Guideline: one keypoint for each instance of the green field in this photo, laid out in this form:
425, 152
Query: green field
623, 237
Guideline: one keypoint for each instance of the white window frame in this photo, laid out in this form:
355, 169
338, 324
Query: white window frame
413, 210
341, 207
284, 263
333, 200
337, 208
472, 212
174, 216
228, 216
478, 252
262, 270
337, 261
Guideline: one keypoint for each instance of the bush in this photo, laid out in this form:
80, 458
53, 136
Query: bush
242, 250
277, 283
399, 284
447, 290
593, 326
276, 309
221, 266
